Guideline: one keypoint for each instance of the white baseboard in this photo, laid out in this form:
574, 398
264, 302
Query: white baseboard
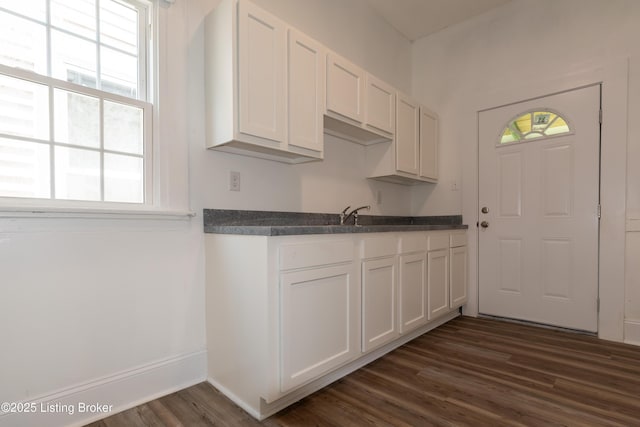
117, 393
632, 331
235, 399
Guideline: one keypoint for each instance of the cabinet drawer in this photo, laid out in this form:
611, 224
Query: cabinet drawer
378, 247
311, 254
414, 242
438, 241
457, 239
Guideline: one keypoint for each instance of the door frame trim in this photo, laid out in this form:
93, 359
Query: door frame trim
613, 76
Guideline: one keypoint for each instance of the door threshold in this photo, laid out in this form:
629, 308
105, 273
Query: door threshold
536, 324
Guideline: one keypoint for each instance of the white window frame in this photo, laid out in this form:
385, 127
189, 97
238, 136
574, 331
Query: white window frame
148, 88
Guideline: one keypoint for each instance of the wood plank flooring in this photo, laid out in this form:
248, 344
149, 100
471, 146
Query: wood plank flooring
475, 372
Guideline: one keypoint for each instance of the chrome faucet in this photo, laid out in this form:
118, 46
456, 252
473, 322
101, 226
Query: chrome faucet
344, 216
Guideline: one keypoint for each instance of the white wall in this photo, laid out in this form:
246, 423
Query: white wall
113, 310
521, 50
109, 310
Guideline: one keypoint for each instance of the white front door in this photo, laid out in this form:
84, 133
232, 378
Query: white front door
538, 210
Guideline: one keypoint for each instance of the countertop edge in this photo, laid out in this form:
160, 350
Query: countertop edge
293, 230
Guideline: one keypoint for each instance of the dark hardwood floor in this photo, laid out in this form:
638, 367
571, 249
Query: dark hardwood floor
475, 372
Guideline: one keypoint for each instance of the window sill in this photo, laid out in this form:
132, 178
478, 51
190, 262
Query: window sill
89, 213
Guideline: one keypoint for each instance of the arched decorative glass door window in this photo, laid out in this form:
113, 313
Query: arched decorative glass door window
534, 124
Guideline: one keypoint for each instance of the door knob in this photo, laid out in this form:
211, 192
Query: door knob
485, 210
484, 224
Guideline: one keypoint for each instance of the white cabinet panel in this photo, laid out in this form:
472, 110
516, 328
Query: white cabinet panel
458, 239
407, 135
319, 322
428, 144
306, 90
413, 291
438, 282
378, 302
381, 105
458, 278
345, 88
379, 246
261, 47
315, 253
438, 240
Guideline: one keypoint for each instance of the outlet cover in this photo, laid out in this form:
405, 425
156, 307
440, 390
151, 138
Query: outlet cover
234, 181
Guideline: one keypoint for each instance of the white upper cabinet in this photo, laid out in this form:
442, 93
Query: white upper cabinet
273, 92
428, 144
412, 156
306, 88
407, 135
261, 42
381, 105
357, 107
345, 89
247, 61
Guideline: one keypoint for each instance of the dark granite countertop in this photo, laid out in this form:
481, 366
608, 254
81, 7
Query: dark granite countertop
269, 223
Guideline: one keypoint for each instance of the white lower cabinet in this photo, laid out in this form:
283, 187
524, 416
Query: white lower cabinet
319, 303
438, 273
379, 289
319, 321
438, 282
413, 291
458, 270
379, 286
287, 315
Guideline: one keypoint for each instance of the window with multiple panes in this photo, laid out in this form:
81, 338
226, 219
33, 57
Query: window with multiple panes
75, 110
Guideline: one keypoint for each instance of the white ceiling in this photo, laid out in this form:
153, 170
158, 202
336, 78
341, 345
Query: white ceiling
419, 18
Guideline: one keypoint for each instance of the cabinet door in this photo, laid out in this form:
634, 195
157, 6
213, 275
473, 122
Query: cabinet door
407, 135
261, 56
306, 75
381, 105
458, 260
378, 302
413, 291
438, 282
428, 144
319, 329
345, 88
